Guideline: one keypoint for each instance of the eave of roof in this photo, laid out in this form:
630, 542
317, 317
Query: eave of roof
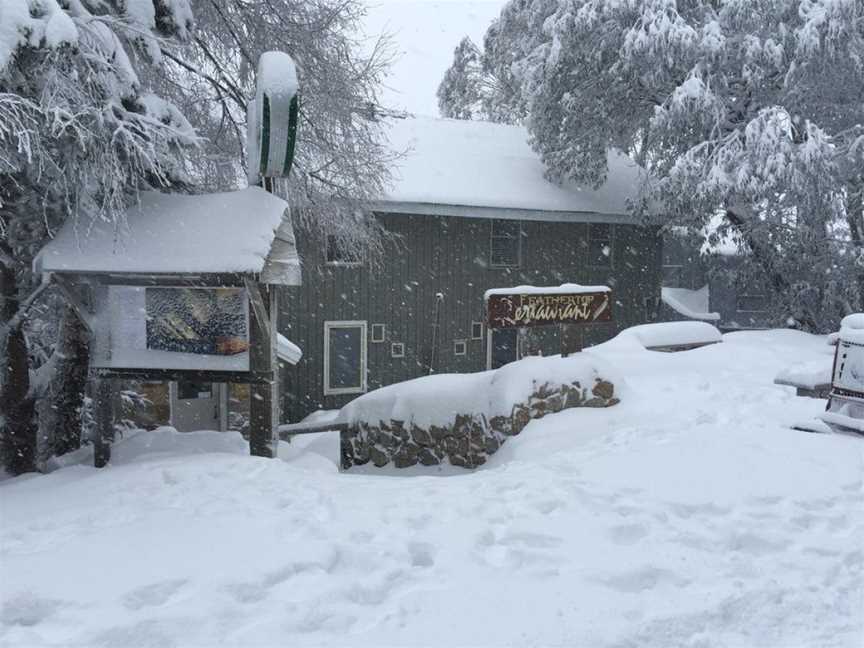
504, 213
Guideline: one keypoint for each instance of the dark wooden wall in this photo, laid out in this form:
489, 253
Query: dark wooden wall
448, 255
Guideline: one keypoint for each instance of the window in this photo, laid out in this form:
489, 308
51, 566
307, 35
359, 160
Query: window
397, 350
378, 332
600, 245
192, 390
673, 276
505, 247
751, 303
476, 330
460, 347
338, 252
344, 357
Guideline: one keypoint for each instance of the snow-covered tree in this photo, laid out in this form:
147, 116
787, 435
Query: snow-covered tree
79, 134
482, 85
751, 107
461, 93
341, 158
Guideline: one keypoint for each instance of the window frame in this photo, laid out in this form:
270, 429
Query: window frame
492, 236
375, 339
464, 344
482, 328
762, 310
610, 242
393, 353
363, 387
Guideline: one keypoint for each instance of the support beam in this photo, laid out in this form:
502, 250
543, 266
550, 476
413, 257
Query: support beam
259, 307
103, 401
264, 396
75, 302
571, 339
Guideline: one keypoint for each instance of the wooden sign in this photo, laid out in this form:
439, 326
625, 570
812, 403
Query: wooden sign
544, 309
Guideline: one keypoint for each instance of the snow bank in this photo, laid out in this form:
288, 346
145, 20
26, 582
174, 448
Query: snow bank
173, 233
672, 334
689, 303
426, 401
688, 515
480, 164
438, 399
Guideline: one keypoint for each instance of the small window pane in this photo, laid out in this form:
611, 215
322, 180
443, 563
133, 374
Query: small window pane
459, 347
346, 362
191, 390
751, 303
476, 330
377, 332
397, 350
505, 244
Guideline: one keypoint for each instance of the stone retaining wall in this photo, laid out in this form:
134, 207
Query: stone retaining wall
470, 439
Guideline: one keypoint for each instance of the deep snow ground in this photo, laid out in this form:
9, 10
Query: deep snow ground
689, 515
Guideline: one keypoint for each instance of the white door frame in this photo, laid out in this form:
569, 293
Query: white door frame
489, 334
361, 324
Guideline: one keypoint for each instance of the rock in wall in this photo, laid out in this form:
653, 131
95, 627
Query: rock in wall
470, 438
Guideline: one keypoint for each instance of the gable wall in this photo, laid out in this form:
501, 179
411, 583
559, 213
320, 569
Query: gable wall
447, 255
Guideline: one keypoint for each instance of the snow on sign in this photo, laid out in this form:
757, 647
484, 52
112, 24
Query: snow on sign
525, 306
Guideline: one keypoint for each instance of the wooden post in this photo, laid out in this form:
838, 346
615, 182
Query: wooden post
571, 339
103, 401
263, 394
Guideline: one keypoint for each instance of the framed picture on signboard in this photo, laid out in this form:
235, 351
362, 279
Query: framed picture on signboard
209, 321
183, 328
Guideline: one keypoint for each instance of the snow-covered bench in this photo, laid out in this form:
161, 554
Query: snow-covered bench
674, 336
811, 379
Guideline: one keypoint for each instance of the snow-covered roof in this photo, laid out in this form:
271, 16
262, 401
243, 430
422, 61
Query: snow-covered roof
689, 303
181, 233
472, 164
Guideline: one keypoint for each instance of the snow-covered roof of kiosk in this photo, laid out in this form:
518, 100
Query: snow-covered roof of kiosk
465, 166
234, 232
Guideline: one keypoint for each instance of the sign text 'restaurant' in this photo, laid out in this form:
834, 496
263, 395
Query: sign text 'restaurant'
509, 311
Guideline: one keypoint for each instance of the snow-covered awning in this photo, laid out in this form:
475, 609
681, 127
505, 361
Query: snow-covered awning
243, 231
692, 304
470, 168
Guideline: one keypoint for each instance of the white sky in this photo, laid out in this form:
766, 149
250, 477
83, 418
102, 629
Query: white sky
425, 32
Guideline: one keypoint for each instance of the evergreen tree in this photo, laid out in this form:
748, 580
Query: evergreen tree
750, 107
79, 134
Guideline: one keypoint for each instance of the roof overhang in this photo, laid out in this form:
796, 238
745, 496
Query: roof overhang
505, 213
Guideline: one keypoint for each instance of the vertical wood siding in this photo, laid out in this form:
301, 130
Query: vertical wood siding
448, 255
